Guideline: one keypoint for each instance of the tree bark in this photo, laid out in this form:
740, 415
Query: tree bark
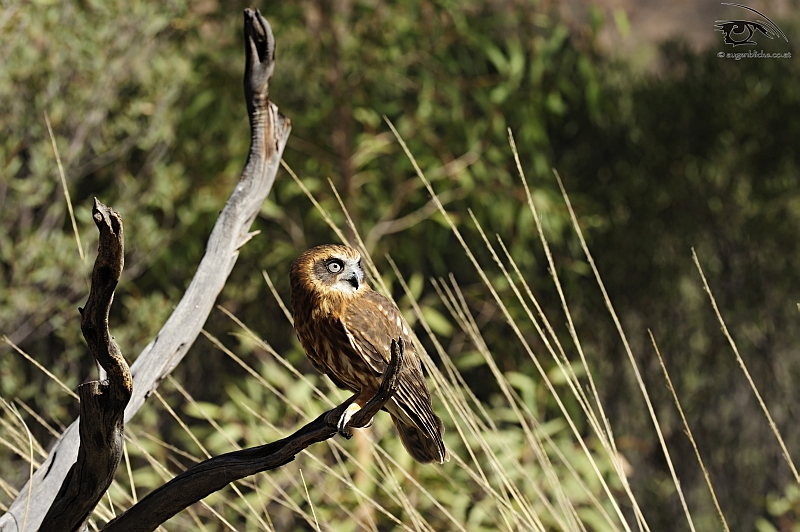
269, 133
102, 403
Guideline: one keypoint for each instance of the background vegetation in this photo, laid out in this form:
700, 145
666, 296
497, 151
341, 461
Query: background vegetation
145, 101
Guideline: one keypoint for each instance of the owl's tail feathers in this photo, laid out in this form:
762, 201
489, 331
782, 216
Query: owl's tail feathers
425, 447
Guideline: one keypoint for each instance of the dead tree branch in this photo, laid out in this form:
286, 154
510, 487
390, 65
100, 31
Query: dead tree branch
216, 473
102, 402
269, 133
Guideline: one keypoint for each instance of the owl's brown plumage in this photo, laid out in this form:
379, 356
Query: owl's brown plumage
346, 330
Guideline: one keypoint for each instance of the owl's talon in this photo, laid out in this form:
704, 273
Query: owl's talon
344, 421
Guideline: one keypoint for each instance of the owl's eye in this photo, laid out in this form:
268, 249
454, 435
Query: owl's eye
334, 265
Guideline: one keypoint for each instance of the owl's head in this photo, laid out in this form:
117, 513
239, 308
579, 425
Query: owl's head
327, 271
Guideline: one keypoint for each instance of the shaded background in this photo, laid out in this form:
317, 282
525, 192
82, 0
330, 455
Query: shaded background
662, 147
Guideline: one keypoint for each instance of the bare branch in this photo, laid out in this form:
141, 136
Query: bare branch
214, 474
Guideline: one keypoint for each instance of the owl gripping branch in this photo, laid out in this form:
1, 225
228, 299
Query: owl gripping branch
344, 327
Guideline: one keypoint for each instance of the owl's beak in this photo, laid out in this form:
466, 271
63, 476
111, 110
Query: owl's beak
354, 281
352, 275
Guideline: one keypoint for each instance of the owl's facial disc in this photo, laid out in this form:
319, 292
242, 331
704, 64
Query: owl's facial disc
345, 275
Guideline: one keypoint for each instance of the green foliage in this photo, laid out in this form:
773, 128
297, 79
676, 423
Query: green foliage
703, 157
108, 74
146, 105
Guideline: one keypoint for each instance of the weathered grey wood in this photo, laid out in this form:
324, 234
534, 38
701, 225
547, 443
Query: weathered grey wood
215, 473
269, 133
102, 403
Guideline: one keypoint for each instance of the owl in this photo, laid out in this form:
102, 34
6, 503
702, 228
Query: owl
346, 330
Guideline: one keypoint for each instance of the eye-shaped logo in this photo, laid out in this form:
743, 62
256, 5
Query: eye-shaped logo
739, 32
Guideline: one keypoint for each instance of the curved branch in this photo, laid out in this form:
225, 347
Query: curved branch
269, 133
102, 403
215, 473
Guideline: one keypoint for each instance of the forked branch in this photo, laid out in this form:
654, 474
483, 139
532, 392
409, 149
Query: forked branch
269, 131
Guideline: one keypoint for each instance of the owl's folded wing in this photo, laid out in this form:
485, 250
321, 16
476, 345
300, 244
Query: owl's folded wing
371, 322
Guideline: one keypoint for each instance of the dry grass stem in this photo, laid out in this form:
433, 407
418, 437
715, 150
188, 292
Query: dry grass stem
65, 188
742, 365
35, 363
689, 433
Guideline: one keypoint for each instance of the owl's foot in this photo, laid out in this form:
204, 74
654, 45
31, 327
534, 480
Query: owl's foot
344, 421
343, 425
